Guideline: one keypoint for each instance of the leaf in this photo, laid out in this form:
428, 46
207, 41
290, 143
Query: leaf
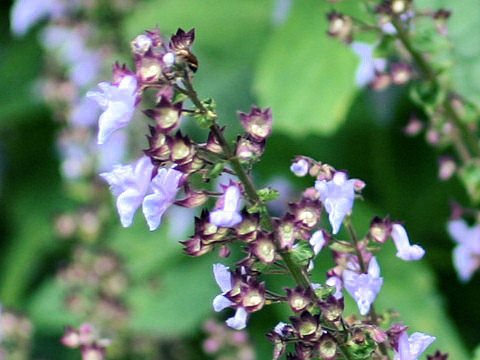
305, 76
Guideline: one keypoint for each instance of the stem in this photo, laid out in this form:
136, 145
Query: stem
298, 273
428, 71
363, 268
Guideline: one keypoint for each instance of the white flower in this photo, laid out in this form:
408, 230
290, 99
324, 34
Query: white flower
337, 196
410, 348
317, 241
363, 287
223, 277
228, 215
405, 251
118, 103
300, 167
466, 255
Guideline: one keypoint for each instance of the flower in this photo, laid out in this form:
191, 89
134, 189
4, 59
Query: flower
410, 348
363, 287
165, 186
405, 251
227, 214
337, 196
317, 241
129, 183
223, 277
118, 103
368, 64
300, 167
466, 255
26, 13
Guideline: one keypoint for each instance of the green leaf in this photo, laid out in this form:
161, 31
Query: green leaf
305, 76
268, 194
302, 253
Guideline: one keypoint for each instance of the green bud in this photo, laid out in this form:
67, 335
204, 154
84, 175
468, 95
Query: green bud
216, 170
341, 246
268, 194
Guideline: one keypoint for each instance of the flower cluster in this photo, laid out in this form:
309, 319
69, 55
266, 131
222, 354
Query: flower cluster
285, 244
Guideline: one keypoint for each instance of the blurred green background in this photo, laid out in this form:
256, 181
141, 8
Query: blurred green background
308, 79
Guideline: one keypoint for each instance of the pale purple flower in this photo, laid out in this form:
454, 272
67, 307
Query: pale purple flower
405, 251
280, 328
363, 287
299, 167
368, 64
118, 103
227, 214
410, 348
223, 277
129, 184
83, 113
112, 152
85, 69
26, 13
337, 196
336, 282
466, 255
165, 187
317, 241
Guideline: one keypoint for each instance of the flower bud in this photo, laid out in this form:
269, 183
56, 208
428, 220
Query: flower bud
253, 296
224, 251
441, 21
93, 352
195, 246
300, 167
401, 73
248, 150
141, 44
446, 168
332, 308
307, 212
307, 326
413, 127
264, 249
166, 115
258, 123
158, 150
400, 6
327, 347
437, 356
285, 230
299, 299
181, 148
149, 69
193, 199
380, 229
71, 338
340, 26
247, 230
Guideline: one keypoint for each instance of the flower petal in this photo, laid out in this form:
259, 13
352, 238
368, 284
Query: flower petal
223, 277
127, 204
239, 321
154, 206
221, 302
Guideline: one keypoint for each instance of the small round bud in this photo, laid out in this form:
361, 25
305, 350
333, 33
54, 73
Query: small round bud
141, 44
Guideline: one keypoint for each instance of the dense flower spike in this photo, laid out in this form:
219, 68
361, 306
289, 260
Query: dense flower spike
227, 211
337, 196
118, 103
405, 251
466, 255
363, 287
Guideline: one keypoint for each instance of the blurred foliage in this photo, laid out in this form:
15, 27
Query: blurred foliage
308, 80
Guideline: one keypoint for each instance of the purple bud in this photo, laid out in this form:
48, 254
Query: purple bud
258, 123
300, 167
380, 229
